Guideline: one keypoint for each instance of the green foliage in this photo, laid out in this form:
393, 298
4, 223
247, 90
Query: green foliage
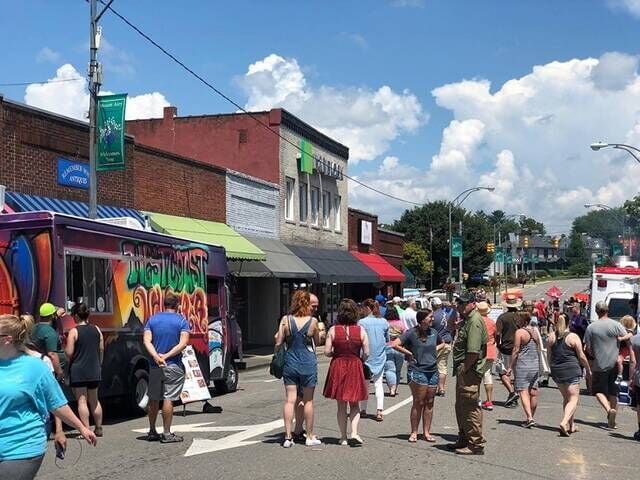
576, 253
601, 224
580, 269
416, 259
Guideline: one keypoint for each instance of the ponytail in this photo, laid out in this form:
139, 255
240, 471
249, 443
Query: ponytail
18, 327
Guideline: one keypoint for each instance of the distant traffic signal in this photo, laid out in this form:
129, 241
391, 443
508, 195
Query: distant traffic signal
491, 247
525, 242
556, 243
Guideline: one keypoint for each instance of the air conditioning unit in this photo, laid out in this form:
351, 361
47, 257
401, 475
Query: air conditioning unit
127, 222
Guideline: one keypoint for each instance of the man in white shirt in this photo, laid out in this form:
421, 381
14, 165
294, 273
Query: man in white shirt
409, 316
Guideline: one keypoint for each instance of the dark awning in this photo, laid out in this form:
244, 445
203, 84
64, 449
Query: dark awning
280, 263
335, 266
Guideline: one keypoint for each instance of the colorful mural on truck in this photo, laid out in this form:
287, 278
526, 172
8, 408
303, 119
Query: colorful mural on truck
143, 274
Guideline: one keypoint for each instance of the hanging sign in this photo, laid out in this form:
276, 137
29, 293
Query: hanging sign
73, 174
110, 132
456, 246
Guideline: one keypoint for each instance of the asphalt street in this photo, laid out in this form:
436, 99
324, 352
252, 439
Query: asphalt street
241, 441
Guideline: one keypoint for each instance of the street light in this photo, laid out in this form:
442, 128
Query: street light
631, 150
611, 211
462, 196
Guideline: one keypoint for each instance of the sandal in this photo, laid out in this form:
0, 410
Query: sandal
98, 431
413, 438
563, 431
429, 438
379, 417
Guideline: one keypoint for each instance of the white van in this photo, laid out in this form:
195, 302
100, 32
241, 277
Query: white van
618, 288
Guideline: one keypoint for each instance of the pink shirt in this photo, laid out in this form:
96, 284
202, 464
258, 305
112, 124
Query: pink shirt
396, 329
491, 341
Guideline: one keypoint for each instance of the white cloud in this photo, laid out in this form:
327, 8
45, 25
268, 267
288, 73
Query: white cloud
357, 39
529, 138
631, 6
46, 54
115, 59
70, 98
365, 120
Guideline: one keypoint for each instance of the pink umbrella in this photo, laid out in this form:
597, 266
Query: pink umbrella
554, 292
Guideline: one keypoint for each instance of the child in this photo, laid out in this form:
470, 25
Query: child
629, 323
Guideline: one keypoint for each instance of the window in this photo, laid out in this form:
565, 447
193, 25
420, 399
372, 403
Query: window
315, 205
326, 209
89, 280
336, 213
303, 203
288, 199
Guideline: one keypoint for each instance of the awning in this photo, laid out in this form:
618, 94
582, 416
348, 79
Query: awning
335, 266
280, 262
22, 202
211, 233
386, 271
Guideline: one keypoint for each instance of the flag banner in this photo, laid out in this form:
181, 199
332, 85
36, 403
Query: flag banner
456, 246
306, 156
110, 132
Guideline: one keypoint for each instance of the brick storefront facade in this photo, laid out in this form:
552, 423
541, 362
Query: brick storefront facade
31, 141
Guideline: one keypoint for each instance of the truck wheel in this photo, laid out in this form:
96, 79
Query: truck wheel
230, 382
139, 397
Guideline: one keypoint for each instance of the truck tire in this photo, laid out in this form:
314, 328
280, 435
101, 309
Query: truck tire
139, 399
230, 382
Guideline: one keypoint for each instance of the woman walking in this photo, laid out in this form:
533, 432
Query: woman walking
395, 360
421, 344
85, 350
492, 353
345, 379
526, 366
28, 393
377, 330
299, 330
566, 357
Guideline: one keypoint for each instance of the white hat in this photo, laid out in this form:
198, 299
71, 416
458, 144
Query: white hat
436, 301
397, 299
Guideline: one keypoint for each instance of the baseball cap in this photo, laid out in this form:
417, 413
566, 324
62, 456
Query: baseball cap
380, 299
466, 297
47, 309
436, 301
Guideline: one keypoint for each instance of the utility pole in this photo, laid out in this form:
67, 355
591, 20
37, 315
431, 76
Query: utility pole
95, 80
431, 256
460, 257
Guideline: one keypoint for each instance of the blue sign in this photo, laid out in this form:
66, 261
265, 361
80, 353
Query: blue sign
73, 174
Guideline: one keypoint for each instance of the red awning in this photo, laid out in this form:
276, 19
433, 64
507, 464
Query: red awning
386, 271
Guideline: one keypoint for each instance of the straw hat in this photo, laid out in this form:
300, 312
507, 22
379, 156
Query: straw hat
512, 302
483, 308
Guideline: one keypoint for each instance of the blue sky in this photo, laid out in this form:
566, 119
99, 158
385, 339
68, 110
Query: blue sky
330, 61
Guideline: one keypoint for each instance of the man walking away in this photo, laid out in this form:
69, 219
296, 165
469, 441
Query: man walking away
469, 354
505, 335
166, 334
442, 326
409, 315
579, 322
602, 341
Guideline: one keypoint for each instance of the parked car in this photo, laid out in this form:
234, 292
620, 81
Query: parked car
440, 293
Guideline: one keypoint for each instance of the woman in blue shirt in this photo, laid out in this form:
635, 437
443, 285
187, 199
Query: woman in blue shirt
377, 330
28, 393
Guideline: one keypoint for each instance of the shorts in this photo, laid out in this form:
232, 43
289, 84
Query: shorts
443, 358
605, 382
166, 383
570, 381
503, 363
291, 376
488, 378
87, 385
421, 378
526, 381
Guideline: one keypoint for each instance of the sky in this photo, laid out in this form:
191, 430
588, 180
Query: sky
431, 96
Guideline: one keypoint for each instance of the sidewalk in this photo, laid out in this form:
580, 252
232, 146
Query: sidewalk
260, 357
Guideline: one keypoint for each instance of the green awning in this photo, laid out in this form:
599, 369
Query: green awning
210, 233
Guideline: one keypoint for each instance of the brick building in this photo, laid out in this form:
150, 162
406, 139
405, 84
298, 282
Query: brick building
33, 140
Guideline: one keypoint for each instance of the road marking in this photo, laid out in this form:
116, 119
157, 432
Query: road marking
240, 439
397, 406
202, 427
271, 380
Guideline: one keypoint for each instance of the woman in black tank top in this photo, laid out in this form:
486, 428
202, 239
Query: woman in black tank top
566, 357
85, 347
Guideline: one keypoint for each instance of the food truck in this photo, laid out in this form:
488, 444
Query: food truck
123, 275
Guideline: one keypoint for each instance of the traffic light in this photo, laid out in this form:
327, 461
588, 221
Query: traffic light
556, 243
525, 242
491, 247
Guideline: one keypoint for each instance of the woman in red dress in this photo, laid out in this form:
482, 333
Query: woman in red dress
348, 346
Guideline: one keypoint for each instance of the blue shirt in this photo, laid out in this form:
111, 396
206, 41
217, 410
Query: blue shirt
441, 325
165, 328
378, 332
28, 392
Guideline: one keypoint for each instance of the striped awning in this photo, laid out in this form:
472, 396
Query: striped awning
22, 202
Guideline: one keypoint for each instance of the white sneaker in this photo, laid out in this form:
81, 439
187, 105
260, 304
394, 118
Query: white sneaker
288, 443
312, 442
344, 442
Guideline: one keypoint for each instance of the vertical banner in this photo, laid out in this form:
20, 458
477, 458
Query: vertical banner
110, 132
306, 156
456, 246
499, 255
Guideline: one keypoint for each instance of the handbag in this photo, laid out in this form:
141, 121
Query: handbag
276, 367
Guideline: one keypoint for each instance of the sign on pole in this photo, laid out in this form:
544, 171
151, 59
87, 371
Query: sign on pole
499, 255
616, 249
456, 246
110, 124
508, 259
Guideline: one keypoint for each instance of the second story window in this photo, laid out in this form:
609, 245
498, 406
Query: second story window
315, 205
303, 203
326, 209
288, 199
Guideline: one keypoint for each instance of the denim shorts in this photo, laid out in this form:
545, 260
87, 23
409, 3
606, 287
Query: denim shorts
421, 378
570, 381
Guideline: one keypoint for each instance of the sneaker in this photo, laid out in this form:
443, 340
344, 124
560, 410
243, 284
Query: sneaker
312, 442
512, 400
288, 443
470, 451
611, 418
300, 437
357, 440
170, 438
153, 437
636, 436
487, 405
344, 442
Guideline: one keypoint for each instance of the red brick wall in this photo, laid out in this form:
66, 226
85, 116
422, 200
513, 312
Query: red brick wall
354, 231
31, 141
215, 140
390, 246
169, 185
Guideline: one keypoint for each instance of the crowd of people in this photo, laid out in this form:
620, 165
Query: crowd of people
526, 345
35, 368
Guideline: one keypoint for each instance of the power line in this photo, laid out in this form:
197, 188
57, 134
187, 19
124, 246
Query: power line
237, 105
24, 84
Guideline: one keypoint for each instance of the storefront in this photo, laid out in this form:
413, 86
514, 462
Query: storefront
388, 275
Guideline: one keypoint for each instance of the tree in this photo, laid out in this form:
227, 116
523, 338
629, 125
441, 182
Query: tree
531, 225
600, 224
416, 259
576, 253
